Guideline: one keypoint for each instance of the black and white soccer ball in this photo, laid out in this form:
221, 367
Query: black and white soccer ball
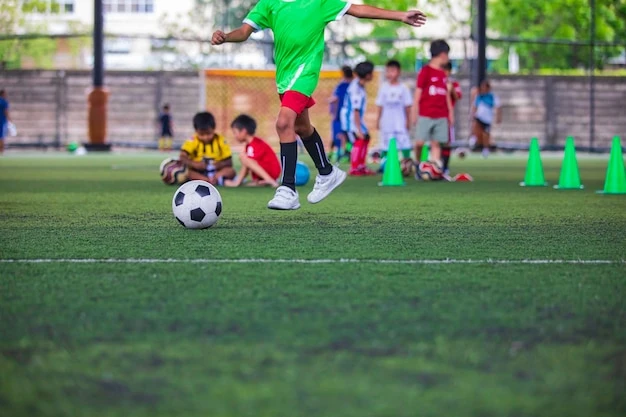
197, 205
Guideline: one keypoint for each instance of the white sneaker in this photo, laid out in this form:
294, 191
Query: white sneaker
325, 184
284, 199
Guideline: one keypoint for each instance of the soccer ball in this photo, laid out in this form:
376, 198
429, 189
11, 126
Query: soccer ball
302, 174
197, 205
173, 171
407, 166
429, 171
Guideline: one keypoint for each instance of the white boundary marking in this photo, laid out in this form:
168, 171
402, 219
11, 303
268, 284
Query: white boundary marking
321, 261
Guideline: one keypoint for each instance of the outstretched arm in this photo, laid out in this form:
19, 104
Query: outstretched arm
238, 35
363, 11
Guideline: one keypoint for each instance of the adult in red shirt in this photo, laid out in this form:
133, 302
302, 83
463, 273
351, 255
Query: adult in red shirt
432, 107
258, 159
454, 90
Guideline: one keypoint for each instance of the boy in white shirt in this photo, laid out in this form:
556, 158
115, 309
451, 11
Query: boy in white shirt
394, 108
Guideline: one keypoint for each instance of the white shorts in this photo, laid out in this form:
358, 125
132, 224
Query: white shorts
403, 141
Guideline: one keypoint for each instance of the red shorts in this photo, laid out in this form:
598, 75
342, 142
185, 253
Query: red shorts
296, 101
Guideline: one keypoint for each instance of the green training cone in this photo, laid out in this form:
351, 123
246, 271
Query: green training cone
424, 155
392, 175
615, 182
570, 176
534, 169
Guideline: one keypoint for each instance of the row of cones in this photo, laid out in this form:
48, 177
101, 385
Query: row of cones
615, 182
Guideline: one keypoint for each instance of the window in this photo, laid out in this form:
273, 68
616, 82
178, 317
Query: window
49, 6
66, 6
129, 6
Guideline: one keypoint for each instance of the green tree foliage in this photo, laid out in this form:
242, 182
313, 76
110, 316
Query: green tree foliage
199, 24
12, 20
557, 19
385, 32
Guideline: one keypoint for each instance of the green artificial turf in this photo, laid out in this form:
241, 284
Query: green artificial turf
293, 339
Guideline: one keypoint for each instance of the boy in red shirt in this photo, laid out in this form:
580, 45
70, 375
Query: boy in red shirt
432, 110
258, 159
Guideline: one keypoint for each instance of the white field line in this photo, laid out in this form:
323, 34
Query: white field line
322, 261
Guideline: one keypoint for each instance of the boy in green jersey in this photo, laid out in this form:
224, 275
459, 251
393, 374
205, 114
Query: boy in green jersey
298, 27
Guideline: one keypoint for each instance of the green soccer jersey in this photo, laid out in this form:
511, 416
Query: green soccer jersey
298, 27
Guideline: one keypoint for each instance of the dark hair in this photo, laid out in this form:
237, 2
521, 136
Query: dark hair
166, 106
2, 92
364, 69
347, 71
244, 122
394, 64
203, 121
439, 47
447, 66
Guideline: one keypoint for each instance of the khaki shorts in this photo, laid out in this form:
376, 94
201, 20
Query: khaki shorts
432, 129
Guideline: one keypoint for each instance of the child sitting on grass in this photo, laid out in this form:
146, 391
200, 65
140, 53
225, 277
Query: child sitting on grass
258, 159
206, 154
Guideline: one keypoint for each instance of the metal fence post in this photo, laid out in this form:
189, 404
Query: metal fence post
158, 98
59, 107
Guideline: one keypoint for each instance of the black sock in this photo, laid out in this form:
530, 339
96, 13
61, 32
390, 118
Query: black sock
315, 148
288, 160
446, 161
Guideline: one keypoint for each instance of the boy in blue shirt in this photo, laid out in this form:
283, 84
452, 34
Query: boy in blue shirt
336, 104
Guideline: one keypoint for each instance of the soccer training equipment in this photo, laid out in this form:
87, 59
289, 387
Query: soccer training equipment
429, 171
392, 174
463, 178
534, 169
197, 205
570, 176
615, 182
325, 184
173, 171
284, 199
407, 167
302, 174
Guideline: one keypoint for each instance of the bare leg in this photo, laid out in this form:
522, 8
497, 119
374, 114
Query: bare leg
252, 165
435, 151
419, 145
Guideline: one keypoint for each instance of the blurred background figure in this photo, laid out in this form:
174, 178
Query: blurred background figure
454, 90
394, 111
4, 119
338, 136
485, 110
167, 132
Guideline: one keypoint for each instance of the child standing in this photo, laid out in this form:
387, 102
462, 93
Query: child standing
432, 104
394, 106
353, 118
167, 131
485, 109
336, 104
258, 159
298, 28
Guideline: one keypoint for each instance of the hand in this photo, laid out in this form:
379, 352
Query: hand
451, 119
414, 18
219, 38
